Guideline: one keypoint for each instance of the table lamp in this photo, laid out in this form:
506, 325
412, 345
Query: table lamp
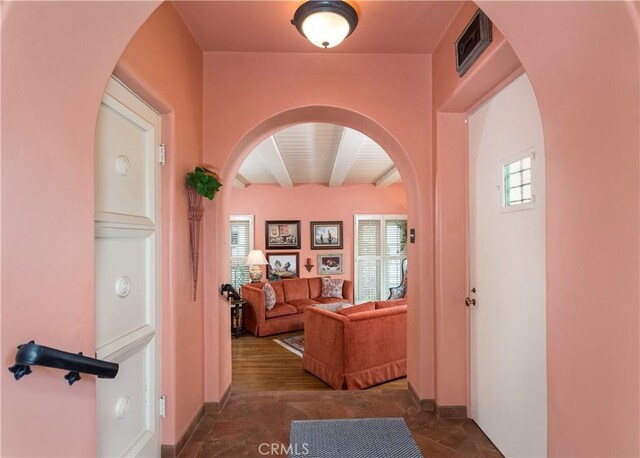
255, 259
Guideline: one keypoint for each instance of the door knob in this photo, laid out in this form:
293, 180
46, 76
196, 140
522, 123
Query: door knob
468, 301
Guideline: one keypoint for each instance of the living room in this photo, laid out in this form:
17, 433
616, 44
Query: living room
315, 206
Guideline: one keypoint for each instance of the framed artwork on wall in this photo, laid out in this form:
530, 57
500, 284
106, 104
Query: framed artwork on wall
282, 235
282, 265
330, 264
326, 235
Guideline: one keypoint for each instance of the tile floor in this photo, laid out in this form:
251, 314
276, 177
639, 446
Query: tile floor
250, 419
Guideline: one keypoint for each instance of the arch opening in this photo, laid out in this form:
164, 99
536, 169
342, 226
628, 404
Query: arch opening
243, 148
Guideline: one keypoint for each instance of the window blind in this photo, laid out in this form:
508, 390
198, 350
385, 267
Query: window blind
379, 250
241, 242
395, 251
369, 250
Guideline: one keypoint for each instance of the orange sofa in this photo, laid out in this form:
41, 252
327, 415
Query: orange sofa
357, 347
292, 298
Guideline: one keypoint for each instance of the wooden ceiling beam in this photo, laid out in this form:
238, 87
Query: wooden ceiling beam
346, 155
270, 154
392, 176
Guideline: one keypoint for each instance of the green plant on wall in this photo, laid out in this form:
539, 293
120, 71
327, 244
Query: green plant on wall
204, 182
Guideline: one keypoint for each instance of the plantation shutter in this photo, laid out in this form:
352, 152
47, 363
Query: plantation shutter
380, 247
241, 233
368, 258
395, 251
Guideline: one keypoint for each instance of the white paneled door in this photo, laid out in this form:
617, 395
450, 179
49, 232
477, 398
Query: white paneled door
127, 273
507, 271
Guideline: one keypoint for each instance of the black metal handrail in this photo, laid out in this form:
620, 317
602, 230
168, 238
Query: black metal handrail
33, 354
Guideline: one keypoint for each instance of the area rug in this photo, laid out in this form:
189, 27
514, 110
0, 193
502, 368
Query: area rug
295, 344
353, 438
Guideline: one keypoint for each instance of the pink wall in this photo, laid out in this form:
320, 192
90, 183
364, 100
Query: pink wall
248, 96
316, 203
56, 59
589, 104
588, 100
163, 64
591, 322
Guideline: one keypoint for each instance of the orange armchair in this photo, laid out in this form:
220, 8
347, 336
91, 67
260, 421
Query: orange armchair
357, 347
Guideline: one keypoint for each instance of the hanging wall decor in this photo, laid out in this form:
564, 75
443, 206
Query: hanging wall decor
200, 183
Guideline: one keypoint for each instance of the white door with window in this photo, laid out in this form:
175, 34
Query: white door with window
127, 273
507, 272
380, 247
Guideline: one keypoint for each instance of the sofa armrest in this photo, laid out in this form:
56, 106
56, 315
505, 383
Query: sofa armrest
365, 307
347, 291
255, 309
324, 337
375, 338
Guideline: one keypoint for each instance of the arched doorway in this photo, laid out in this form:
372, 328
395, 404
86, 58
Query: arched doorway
221, 373
321, 176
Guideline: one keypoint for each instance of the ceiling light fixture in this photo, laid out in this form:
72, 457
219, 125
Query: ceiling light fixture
325, 23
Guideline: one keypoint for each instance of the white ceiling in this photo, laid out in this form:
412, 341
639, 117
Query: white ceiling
317, 153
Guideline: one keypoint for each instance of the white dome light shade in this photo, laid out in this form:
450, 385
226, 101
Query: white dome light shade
325, 23
325, 29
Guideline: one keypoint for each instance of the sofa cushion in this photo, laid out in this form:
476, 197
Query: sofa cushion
277, 287
329, 300
390, 303
295, 289
332, 287
315, 287
300, 304
269, 296
281, 309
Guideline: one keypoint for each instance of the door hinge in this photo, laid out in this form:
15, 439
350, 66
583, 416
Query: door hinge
163, 406
163, 154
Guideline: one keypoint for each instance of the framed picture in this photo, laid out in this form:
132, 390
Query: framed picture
473, 41
282, 265
326, 235
282, 235
330, 264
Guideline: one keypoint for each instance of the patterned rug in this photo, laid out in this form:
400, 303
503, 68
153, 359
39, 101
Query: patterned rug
295, 344
353, 438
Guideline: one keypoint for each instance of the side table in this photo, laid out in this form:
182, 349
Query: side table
237, 317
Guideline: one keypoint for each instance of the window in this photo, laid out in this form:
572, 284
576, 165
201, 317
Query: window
380, 247
517, 182
241, 233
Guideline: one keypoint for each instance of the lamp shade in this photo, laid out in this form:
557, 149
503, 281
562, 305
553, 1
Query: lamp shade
256, 258
325, 23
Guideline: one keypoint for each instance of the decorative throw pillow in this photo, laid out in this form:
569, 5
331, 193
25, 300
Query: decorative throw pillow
332, 287
269, 296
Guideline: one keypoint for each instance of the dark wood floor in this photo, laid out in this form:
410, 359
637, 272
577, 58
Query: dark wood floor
260, 364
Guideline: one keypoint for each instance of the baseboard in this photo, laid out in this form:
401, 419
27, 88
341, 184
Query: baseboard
451, 411
425, 405
172, 451
216, 407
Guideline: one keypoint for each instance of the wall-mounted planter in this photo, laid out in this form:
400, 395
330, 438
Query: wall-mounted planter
196, 210
200, 183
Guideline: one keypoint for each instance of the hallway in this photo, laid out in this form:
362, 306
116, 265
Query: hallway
251, 419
